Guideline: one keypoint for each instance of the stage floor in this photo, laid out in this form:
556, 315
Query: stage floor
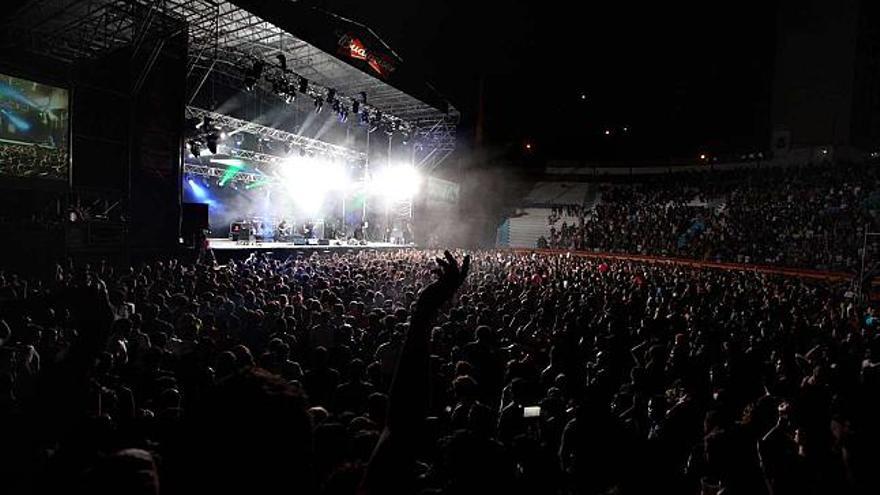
224, 244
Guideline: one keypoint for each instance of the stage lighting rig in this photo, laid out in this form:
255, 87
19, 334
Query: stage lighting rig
211, 140
254, 74
206, 125
192, 126
279, 86
195, 148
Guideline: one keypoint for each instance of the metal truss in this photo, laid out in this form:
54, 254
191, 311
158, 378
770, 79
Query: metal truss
225, 40
217, 172
296, 141
436, 141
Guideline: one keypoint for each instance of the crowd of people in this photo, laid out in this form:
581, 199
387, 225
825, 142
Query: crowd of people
807, 217
411, 371
33, 161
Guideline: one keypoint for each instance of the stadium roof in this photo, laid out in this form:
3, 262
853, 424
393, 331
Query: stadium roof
226, 37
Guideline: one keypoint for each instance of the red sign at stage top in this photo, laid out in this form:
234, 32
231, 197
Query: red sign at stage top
357, 49
382, 64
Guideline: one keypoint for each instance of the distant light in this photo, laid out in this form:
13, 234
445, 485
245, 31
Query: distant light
824, 151
583, 96
607, 132
223, 135
191, 182
702, 156
528, 146
626, 129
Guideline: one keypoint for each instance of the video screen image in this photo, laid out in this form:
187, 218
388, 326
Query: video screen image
33, 129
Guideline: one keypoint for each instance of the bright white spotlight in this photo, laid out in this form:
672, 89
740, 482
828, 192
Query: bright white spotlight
309, 179
397, 182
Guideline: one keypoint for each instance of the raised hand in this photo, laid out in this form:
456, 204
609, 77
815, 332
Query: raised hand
450, 276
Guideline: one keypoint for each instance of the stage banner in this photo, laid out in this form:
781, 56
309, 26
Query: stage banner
442, 192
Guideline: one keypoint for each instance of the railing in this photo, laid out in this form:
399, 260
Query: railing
772, 270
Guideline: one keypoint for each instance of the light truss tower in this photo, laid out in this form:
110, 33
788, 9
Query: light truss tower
307, 144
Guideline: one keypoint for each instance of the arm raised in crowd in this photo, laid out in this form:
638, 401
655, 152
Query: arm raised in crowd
392, 463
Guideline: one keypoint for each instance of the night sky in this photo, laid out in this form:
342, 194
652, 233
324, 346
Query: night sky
683, 77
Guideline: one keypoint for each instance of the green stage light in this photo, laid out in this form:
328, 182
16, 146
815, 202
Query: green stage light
230, 173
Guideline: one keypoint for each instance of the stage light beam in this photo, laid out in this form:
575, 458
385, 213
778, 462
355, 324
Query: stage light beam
397, 182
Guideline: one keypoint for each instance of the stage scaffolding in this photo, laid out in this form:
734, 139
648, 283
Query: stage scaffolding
224, 40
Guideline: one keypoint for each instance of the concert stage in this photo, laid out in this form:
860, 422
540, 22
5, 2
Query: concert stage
228, 246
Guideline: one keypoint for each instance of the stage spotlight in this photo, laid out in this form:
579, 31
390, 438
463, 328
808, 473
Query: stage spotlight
319, 104
396, 182
303, 85
198, 191
309, 179
223, 135
211, 140
253, 75
195, 148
